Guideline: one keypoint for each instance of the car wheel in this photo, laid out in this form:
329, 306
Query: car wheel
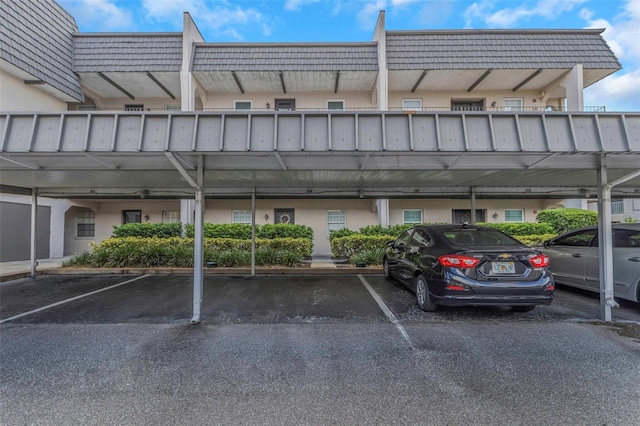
385, 269
522, 308
422, 294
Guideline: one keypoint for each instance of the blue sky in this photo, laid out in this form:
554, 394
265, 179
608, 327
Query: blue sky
353, 20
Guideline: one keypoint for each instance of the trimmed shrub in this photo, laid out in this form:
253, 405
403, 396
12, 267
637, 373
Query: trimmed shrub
533, 240
148, 230
345, 247
520, 228
241, 231
563, 220
339, 233
371, 256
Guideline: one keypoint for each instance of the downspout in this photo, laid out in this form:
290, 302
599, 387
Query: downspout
34, 233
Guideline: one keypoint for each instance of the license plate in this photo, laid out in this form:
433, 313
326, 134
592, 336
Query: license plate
503, 268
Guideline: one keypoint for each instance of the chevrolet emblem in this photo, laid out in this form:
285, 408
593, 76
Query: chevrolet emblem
504, 256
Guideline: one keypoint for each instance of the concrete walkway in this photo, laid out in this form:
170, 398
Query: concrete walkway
22, 268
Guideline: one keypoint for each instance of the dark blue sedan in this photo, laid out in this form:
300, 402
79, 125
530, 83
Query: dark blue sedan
460, 265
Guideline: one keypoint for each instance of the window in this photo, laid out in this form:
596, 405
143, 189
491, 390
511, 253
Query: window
241, 216
335, 105
513, 104
170, 216
420, 238
514, 215
87, 108
617, 206
412, 104
85, 223
576, 239
134, 107
131, 216
242, 105
412, 216
172, 108
336, 219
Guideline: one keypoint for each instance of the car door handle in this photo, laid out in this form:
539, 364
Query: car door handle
634, 259
576, 254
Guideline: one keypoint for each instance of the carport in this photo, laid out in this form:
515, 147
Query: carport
323, 154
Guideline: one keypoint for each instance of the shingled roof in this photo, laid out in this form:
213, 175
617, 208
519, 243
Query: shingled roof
37, 38
130, 52
498, 49
286, 57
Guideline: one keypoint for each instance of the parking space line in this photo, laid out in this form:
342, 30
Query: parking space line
389, 314
69, 300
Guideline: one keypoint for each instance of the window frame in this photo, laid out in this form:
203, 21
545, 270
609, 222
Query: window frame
404, 218
78, 223
411, 108
240, 101
514, 210
124, 215
241, 212
344, 104
513, 108
170, 213
344, 224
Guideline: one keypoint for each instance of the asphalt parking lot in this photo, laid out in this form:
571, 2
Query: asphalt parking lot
305, 350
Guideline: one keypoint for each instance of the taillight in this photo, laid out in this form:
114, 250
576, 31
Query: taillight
540, 261
458, 261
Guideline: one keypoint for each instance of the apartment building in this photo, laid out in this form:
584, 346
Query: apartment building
53, 68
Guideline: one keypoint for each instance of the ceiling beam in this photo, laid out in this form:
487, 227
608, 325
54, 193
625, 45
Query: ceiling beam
415, 86
116, 85
18, 163
526, 80
155, 80
335, 89
237, 80
478, 81
284, 88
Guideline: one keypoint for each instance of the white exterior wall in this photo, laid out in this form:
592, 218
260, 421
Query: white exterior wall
17, 96
440, 211
153, 104
440, 99
304, 100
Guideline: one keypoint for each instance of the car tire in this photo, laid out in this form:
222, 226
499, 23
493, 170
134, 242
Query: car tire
422, 294
385, 269
523, 308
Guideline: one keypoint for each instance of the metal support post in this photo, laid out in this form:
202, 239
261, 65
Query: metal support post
605, 245
198, 244
473, 205
34, 233
253, 233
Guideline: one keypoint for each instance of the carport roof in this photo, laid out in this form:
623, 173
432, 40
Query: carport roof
320, 154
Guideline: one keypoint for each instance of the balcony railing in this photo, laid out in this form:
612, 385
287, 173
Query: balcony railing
367, 108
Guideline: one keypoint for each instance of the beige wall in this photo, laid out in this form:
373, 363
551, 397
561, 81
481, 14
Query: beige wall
304, 100
153, 104
17, 96
443, 98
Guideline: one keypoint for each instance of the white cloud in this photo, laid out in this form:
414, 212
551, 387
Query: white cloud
368, 13
220, 17
100, 15
295, 5
509, 17
616, 92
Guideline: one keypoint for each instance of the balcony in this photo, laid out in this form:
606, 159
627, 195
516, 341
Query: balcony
592, 109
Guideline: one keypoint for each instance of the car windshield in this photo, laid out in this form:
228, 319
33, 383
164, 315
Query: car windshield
479, 237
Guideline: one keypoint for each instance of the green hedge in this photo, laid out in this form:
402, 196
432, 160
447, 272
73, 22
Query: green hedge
346, 247
563, 220
148, 230
520, 228
243, 231
132, 252
532, 240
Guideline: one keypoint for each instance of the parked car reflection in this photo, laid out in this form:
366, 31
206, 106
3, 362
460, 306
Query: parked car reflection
575, 260
460, 265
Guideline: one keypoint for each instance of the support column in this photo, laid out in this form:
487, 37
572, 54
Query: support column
34, 231
575, 87
187, 210
382, 205
473, 205
198, 244
605, 246
253, 233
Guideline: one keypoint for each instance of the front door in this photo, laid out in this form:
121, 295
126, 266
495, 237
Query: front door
464, 216
284, 216
285, 104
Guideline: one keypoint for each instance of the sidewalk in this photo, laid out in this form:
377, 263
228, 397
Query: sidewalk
22, 268
319, 265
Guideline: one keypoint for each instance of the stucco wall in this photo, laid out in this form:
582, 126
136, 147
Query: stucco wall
304, 100
17, 96
438, 99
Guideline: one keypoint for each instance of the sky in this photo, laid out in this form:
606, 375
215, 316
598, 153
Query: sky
354, 20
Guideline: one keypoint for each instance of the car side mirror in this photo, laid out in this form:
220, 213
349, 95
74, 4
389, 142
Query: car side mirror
390, 244
547, 243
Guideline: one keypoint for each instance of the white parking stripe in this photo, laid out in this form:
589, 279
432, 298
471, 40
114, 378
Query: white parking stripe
69, 300
387, 311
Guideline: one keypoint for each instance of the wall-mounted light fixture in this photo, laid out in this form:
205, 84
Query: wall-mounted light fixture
493, 104
361, 193
495, 215
268, 105
586, 192
266, 217
146, 218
